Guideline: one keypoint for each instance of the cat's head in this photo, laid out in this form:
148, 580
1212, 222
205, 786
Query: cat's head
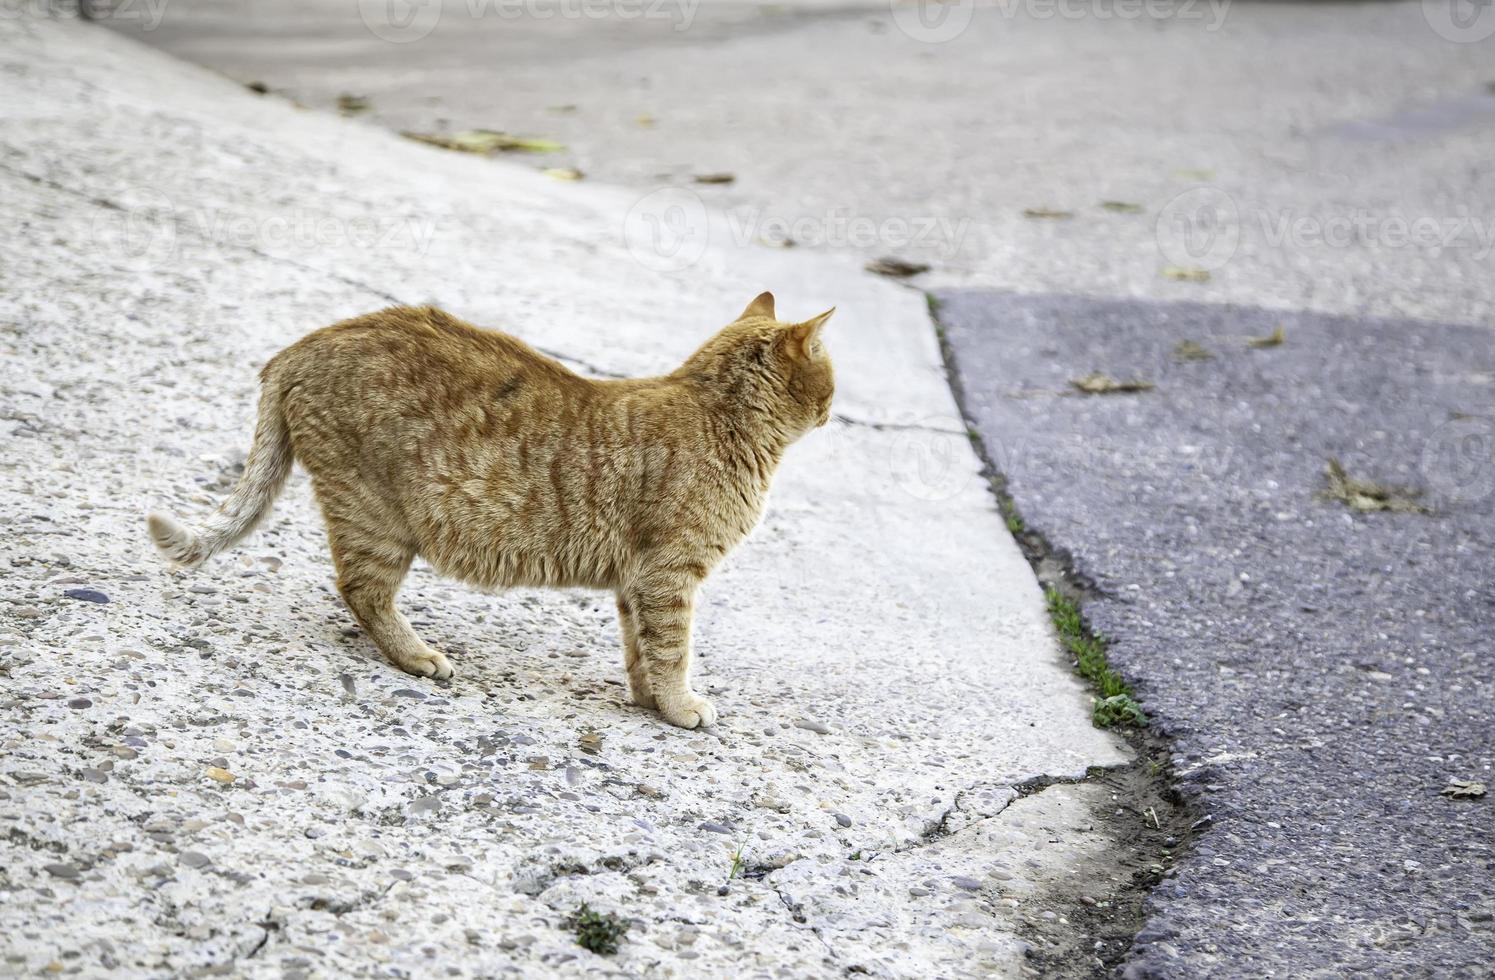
757, 356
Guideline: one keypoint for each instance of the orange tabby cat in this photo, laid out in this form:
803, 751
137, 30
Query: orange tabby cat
425, 435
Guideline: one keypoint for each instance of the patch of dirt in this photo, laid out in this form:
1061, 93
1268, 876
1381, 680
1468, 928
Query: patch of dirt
1099, 910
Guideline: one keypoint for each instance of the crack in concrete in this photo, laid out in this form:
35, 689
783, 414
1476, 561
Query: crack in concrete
936, 831
1033, 785
895, 426
587, 366
797, 915
54, 185
939, 829
266, 926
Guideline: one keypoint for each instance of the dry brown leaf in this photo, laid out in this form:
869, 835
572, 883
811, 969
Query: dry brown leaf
485, 141
896, 268
1039, 214
1466, 789
717, 178
1122, 207
1096, 383
564, 173
220, 775
1184, 273
350, 105
1367, 496
1274, 339
590, 743
532, 144
1188, 350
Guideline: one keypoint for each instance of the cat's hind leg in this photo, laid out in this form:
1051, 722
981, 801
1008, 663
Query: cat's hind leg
664, 607
638, 670
370, 568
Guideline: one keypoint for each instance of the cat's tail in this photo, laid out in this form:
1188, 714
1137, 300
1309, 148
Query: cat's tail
265, 473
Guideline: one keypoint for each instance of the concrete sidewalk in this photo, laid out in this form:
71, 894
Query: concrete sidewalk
879, 649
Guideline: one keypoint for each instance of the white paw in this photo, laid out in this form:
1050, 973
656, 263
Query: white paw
690, 712
428, 664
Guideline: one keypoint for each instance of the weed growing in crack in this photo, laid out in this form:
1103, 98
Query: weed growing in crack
1119, 709
597, 931
737, 863
1115, 706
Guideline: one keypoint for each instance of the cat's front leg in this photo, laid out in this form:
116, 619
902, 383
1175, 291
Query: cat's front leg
633, 660
663, 607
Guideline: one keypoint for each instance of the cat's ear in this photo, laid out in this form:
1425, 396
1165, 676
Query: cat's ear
802, 335
762, 305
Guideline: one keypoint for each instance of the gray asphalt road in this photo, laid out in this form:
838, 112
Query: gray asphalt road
1325, 673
